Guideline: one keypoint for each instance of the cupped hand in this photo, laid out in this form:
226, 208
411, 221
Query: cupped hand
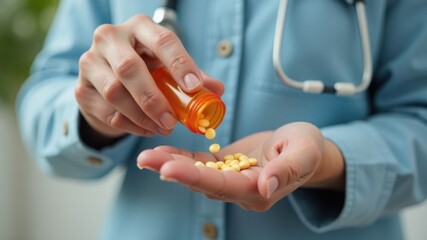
288, 158
115, 90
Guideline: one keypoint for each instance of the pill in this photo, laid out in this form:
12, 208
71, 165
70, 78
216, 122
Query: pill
237, 155
252, 161
244, 164
236, 167
199, 163
202, 129
228, 168
212, 165
234, 162
228, 157
220, 164
210, 133
228, 161
203, 123
213, 148
243, 157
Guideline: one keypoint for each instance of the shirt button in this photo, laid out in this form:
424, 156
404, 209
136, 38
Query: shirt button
65, 129
224, 48
210, 231
94, 161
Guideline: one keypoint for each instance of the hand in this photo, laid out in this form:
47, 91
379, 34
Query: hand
115, 90
294, 155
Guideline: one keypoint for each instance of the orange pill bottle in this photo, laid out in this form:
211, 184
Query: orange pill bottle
190, 107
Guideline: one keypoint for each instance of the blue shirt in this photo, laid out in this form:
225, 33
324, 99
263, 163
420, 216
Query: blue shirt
382, 133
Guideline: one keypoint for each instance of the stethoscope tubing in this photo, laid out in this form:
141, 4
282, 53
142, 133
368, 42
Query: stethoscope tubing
166, 16
317, 86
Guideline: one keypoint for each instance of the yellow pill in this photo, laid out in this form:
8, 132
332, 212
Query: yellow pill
210, 133
236, 167
228, 161
202, 129
228, 157
228, 168
234, 162
212, 165
213, 148
203, 123
199, 163
252, 161
224, 166
220, 164
244, 164
243, 157
237, 155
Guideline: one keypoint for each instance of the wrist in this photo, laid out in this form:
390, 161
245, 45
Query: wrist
92, 138
330, 173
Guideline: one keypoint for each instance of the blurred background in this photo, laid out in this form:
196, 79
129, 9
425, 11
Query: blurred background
34, 206
37, 207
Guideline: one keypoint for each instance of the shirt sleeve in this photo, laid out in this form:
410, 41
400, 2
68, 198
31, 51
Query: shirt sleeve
46, 107
385, 154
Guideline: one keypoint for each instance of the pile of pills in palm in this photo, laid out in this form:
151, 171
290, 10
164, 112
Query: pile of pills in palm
232, 162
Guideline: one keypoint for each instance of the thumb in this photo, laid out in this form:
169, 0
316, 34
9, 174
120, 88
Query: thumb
283, 175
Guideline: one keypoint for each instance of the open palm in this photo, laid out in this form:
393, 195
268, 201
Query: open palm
287, 158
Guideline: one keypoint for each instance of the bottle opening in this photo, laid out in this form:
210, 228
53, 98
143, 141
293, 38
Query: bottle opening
210, 107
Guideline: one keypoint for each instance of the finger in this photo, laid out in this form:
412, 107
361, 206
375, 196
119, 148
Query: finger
168, 48
103, 117
175, 150
285, 173
212, 84
129, 68
153, 159
112, 90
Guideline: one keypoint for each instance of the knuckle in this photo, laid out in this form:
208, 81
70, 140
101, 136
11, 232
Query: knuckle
143, 120
127, 67
103, 32
293, 174
115, 120
85, 60
164, 39
262, 206
150, 99
178, 62
112, 91
80, 92
140, 18
146, 133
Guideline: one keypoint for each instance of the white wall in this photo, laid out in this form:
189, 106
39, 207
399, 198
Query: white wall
36, 207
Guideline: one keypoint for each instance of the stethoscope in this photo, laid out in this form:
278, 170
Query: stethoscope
166, 16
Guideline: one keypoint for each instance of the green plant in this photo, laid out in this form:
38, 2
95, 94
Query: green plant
23, 26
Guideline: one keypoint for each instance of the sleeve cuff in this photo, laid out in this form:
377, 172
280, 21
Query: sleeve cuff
370, 175
68, 156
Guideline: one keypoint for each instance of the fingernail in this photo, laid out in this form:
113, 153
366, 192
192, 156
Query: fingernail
168, 120
272, 185
145, 167
191, 81
140, 167
163, 178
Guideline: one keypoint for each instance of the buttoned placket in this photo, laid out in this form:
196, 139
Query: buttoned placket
224, 33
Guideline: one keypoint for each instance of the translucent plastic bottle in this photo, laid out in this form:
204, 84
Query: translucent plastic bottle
190, 107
